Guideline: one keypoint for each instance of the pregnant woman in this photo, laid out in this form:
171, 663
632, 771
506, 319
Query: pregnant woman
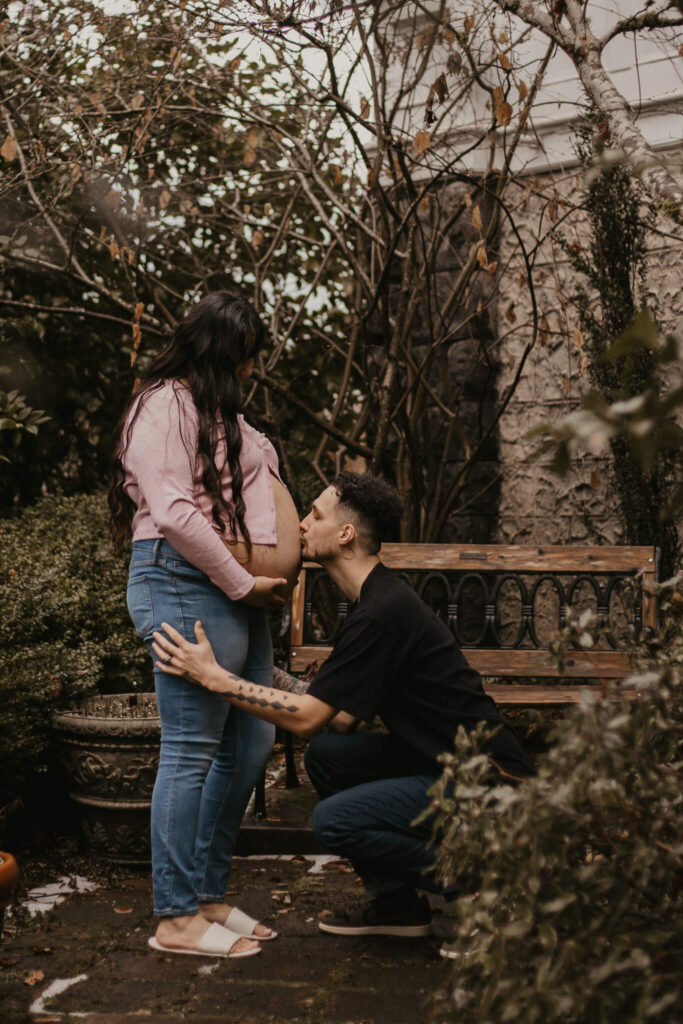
215, 537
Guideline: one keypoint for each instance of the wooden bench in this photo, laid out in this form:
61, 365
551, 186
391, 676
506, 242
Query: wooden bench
449, 571
455, 570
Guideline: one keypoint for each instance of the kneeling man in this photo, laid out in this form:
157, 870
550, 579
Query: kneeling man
395, 659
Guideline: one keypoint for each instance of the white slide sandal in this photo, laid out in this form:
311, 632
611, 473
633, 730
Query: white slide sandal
216, 941
244, 926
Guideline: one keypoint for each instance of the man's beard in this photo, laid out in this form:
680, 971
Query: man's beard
321, 554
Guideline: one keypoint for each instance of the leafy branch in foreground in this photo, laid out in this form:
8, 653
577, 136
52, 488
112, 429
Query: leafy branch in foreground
647, 421
572, 905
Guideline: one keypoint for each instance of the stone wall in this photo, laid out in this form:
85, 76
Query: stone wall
535, 506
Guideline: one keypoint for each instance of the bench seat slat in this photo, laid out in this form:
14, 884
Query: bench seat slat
526, 696
513, 663
517, 558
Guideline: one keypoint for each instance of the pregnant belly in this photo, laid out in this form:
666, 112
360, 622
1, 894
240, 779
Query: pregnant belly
283, 558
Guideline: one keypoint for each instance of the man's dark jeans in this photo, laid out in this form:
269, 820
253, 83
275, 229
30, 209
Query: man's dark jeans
367, 806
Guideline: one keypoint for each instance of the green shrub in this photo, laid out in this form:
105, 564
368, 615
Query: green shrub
64, 626
574, 905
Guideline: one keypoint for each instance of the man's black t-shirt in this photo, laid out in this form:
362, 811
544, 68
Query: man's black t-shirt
395, 658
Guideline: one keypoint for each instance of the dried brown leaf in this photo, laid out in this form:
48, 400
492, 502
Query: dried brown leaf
421, 142
364, 108
523, 91
476, 217
577, 337
482, 258
136, 342
8, 151
543, 330
34, 978
453, 63
440, 88
504, 61
504, 114
257, 239
164, 198
510, 314
112, 199
595, 479
249, 156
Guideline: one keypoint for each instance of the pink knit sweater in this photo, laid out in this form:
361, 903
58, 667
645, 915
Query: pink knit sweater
164, 481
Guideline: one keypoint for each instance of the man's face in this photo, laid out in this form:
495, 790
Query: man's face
321, 527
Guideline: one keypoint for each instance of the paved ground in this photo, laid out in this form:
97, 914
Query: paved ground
88, 955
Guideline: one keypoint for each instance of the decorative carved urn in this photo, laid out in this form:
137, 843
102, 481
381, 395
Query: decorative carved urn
109, 746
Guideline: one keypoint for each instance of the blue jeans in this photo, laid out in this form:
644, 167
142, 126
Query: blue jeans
367, 808
211, 754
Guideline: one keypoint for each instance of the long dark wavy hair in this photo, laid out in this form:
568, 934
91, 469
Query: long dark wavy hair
205, 348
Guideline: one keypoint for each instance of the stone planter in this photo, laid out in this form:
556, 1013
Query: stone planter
110, 752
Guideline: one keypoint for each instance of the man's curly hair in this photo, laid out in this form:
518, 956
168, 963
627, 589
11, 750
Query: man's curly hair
372, 505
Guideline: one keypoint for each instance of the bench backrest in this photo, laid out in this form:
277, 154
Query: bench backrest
450, 569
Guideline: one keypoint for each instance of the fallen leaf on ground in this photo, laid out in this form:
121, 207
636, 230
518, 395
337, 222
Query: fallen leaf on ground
42, 949
340, 866
123, 910
281, 896
34, 977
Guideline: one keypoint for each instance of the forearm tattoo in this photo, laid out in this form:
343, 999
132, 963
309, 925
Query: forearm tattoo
252, 694
284, 681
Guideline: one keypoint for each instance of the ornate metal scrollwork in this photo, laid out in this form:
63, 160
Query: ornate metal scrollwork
446, 592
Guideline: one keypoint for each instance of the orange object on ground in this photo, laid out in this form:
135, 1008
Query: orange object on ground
9, 875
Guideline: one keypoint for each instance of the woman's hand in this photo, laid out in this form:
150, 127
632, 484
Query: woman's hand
178, 657
264, 593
